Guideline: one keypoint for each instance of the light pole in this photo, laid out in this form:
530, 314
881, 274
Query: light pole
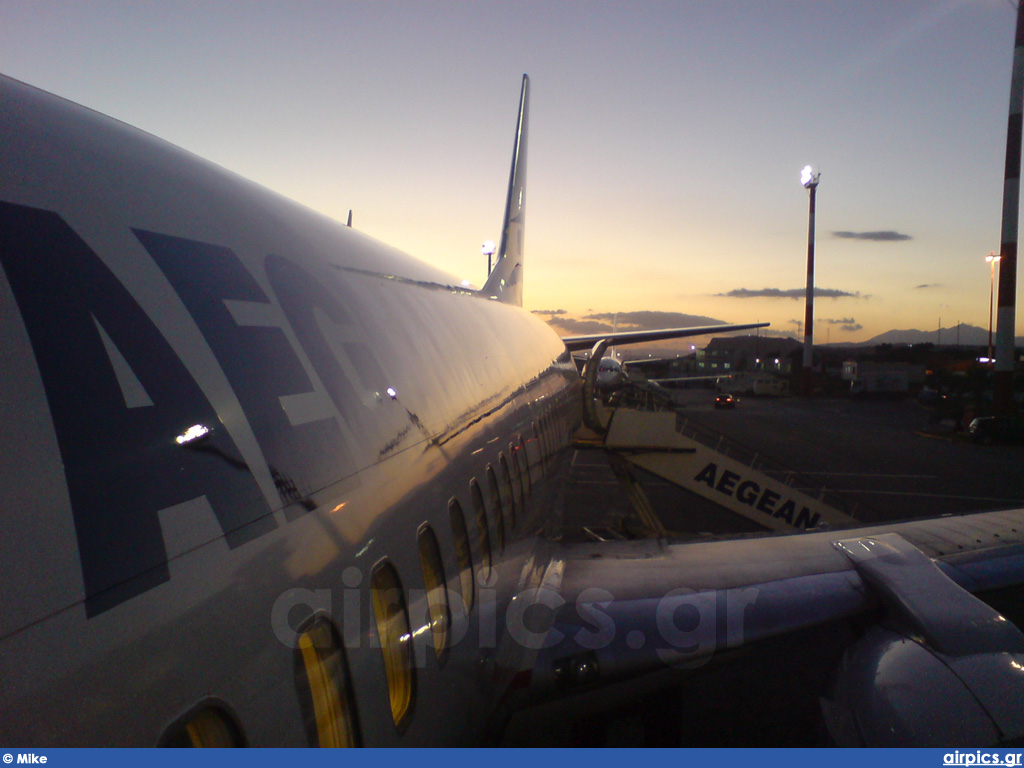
488, 250
810, 181
992, 259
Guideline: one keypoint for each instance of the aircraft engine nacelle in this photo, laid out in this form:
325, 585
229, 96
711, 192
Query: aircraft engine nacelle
941, 669
894, 691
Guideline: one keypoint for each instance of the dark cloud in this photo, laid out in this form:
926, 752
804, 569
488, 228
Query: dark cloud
644, 320
887, 236
844, 323
604, 322
790, 293
548, 311
769, 293
568, 326
835, 293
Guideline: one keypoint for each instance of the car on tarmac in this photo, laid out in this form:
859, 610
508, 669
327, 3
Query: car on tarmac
725, 400
997, 429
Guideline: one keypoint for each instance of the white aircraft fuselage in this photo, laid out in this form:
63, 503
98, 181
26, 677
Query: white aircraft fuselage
341, 394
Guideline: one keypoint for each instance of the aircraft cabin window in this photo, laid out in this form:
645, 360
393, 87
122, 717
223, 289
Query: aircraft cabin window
513, 467
507, 480
482, 527
321, 676
524, 468
495, 501
463, 555
207, 726
439, 619
542, 459
483, 522
395, 640
517, 476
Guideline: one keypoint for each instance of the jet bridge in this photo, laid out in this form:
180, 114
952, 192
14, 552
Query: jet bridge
655, 441
661, 442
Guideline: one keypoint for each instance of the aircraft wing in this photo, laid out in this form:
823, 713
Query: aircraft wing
688, 379
576, 343
625, 612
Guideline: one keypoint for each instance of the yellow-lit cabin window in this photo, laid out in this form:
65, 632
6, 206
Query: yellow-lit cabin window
494, 505
209, 726
463, 556
510, 488
517, 476
437, 590
395, 640
524, 468
494, 495
482, 526
323, 687
542, 458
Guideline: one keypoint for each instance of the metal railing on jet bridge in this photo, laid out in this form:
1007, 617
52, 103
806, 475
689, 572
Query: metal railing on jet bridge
644, 395
655, 436
760, 462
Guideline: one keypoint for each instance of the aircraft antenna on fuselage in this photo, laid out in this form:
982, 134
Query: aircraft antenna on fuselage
505, 282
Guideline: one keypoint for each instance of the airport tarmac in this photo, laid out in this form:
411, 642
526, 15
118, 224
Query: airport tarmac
885, 459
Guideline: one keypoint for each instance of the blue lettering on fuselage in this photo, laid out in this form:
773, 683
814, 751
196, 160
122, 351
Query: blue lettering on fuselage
121, 462
305, 448
322, 315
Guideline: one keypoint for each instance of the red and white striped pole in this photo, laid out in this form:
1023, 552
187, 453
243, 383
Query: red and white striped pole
1006, 317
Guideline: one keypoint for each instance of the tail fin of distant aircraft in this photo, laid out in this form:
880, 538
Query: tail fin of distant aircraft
505, 282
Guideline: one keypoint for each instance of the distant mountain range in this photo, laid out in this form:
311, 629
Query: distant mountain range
964, 335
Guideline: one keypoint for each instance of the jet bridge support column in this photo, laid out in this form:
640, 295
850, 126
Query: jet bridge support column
591, 418
637, 497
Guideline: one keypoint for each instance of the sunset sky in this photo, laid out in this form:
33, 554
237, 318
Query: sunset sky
666, 138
